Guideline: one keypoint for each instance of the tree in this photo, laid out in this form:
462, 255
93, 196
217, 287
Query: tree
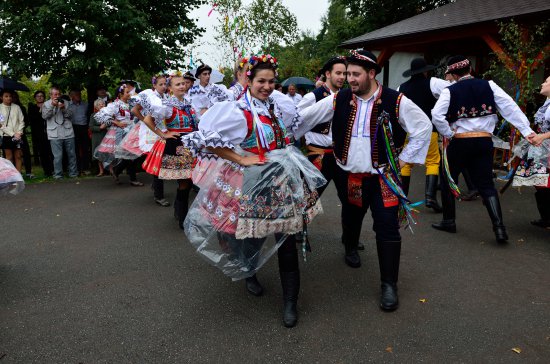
257, 28
88, 42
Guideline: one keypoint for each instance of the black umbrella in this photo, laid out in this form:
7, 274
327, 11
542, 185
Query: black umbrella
299, 82
9, 84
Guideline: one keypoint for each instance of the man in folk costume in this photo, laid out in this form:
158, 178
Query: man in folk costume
205, 93
319, 139
367, 118
424, 92
466, 113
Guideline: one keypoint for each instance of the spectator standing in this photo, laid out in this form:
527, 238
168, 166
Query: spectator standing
11, 128
98, 132
79, 112
40, 144
60, 133
296, 97
25, 149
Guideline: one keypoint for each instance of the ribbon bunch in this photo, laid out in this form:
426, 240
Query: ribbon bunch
452, 185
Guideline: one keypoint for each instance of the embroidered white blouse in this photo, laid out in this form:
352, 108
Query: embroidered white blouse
411, 118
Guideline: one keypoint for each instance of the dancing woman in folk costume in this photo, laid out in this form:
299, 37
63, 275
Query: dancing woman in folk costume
261, 186
239, 88
534, 167
117, 116
168, 158
146, 138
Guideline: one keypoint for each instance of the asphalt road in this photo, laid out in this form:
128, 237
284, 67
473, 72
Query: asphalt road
92, 272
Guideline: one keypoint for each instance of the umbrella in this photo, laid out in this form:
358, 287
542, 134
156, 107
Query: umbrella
215, 76
6, 83
299, 82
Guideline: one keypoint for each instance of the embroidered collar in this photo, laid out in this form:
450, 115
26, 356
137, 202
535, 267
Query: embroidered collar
178, 104
467, 77
262, 107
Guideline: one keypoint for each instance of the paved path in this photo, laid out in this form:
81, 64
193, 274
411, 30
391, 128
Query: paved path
91, 272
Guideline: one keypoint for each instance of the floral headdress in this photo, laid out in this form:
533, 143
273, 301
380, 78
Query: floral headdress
121, 88
171, 74
157, 76
457, 65
253, 60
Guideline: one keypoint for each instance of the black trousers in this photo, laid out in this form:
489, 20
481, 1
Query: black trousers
385, 219
475, 156
82, 146
328, 169
129, 165
158, 187
246, 251
46, 156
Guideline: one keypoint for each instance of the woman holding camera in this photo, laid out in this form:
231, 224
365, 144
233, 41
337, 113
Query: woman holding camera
12, 124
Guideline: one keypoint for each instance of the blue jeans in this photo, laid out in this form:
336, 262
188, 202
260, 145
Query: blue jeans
57, 151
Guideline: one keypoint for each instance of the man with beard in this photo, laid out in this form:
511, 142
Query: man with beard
361, 118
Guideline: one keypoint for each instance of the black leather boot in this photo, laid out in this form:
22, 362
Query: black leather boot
542, 197
389, 253
406, 183
431, 194
448, 223
350, 241
181, 206
291, 288
253, 286
493, 208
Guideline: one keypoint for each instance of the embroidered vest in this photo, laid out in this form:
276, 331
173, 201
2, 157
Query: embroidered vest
470, 98
275, 132
385, 109
182, 121
320, 93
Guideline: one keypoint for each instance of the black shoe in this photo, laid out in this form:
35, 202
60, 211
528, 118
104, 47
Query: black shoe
431, 188
353, 259
388, 299
290, 314
291, 288
500, 234
253, 286
445, 225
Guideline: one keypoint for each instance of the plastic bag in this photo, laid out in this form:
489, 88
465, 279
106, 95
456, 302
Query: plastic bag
11, 180
238, 210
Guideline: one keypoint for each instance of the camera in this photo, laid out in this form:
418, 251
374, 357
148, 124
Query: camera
18, 142
60, 100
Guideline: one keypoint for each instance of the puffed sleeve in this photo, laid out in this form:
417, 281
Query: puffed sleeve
107, 114
219, 93
222, 126
153, 105
289, 112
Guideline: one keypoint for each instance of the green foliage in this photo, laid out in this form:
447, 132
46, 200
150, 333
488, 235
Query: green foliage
88, 42
259, 27
523, 43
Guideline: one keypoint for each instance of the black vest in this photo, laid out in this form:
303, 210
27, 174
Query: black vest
320, 93
419, 91
470, 98
385, 109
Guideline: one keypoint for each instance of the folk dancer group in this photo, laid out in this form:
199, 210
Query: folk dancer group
258, 192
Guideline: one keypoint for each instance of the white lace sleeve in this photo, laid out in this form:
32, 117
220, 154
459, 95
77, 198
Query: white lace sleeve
223, 125
107, 114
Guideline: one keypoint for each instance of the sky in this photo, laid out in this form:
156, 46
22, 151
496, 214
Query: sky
308, 14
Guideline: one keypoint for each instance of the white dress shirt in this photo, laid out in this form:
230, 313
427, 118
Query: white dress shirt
319, 139
411, 118
296, 98
505, 106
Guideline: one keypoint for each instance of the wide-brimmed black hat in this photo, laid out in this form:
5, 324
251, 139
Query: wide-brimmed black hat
187, 75
331, 62
418, 65
365, 59
457, 63
202, 68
